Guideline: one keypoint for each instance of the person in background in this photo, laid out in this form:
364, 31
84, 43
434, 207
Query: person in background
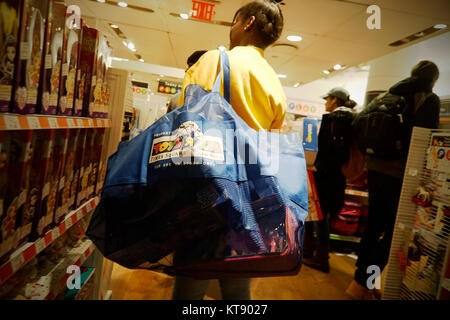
385, 178
334, 141
193, 58
256, 95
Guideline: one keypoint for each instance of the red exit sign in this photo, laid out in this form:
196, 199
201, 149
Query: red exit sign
202, 10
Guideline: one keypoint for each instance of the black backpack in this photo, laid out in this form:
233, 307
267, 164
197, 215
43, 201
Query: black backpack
335, 138
384, 128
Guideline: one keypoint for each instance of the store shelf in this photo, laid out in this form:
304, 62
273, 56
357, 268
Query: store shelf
344, 238
27, 252
76, 256
10, 121
358, 193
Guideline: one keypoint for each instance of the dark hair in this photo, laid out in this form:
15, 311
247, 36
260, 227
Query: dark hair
349, 103
193, 58
268, 19
426, 70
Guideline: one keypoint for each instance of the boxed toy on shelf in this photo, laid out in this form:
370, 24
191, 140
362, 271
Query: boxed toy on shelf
96, 154
81, 162
9, 47
88, 58
53, 52
86, 168
31, 50
61, 146
19, 150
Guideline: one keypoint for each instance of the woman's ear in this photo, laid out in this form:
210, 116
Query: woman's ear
249, 23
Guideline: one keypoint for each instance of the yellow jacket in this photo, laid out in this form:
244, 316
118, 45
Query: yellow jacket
256, 92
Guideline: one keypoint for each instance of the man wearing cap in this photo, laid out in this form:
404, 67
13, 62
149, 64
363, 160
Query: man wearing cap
330, 182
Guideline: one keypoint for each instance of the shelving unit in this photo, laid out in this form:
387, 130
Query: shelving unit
10, 121
30, 250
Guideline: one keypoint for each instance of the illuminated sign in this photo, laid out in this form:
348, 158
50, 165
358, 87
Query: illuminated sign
202, 10
169, 87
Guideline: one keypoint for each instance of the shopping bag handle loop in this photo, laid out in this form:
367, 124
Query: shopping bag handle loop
225, 67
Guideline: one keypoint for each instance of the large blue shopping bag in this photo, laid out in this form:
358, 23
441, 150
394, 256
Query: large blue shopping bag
199, 193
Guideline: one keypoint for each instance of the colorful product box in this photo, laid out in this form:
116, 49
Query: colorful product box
79, 160
4, 144
79, 84
89, 47
42, 140
31, 50
9, 46
61, 146
86, 168
106, 91
70, 64
96, 157
65, 200
20, 153
53, 52
95, 103
38, 186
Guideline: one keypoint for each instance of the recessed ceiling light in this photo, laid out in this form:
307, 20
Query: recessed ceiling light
440, 26
131, 46
123, 4
326, 71
296, 85
102, 1
420, 34
114, 26
294, 38
184, 15
125, 43
337, 67
133, 49
141, 60
282, 76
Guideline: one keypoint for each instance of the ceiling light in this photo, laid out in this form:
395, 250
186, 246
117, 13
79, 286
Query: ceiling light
337, 67
114, 26
282, 76
440, 26
294, 38
123, 4
420, 34
133, 49
296, 85
184, 15
161, 75
131, 46
102, 1
326, 71
141, 60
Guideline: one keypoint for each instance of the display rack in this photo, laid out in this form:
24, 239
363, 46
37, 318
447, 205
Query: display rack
30, 250
411, 278
357, 193
10, 121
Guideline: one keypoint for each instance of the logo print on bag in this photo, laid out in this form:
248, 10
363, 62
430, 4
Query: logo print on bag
188, 141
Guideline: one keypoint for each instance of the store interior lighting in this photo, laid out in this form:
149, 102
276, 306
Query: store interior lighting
294, 38
114, 26
123, 4
282, 76
101, 1
337, 67
440, 26
184, 16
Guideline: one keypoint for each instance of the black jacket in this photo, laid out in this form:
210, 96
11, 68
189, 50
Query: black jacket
426, 116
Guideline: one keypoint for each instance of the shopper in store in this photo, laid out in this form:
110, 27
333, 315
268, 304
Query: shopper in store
334, 141
385, 177
193, 58
256, 95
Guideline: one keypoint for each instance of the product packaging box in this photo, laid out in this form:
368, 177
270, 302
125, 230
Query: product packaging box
31, 50
79, 159
95, 103
96, 157
39, 188
65, 201
106, 91
88, 59
61, 146
38, 167
101, 171
86, 168
4, 145
53, 52
20, 153
9, 46
70, 65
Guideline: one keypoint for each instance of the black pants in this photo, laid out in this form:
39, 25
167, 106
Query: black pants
331, 192
384, 195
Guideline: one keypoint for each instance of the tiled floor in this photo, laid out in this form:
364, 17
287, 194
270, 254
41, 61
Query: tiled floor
309, 284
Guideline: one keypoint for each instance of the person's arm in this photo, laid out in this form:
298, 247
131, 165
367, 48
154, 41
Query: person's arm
427, 116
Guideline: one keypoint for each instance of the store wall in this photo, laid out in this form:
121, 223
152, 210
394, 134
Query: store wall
387, 70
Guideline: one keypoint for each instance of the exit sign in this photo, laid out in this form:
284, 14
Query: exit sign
202, 10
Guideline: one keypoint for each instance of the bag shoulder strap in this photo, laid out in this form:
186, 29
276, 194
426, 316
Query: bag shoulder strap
225, 69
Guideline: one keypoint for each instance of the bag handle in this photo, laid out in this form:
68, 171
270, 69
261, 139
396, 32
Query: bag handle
225, 67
